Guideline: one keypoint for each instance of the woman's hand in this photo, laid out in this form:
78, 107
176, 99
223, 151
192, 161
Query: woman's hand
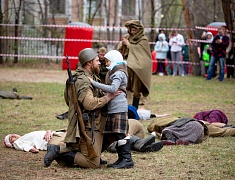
125, 41
90, 79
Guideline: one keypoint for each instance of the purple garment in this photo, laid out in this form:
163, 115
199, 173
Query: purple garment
192, 132
212, 116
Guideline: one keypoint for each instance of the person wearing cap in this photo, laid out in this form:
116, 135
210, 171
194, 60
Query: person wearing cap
116, 126
91, 100
136, 51
33, 141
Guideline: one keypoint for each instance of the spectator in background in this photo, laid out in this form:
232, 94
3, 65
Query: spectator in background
169, 64
229, 59
161, 47
186, 65
103, 70
202, 44
161, 31
206, 53
219, 45
176, 42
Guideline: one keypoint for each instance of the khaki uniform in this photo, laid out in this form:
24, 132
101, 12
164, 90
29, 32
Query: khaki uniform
136, 128
12, 95
89, 99
213, 131
219, 132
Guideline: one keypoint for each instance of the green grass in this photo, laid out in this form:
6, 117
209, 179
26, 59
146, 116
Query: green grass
179, 96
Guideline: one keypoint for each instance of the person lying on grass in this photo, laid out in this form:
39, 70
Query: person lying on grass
184, 131
33, 141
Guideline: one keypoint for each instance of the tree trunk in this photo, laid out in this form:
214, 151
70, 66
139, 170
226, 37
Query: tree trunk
17, 18
229, 13
152, 32
189, 21
1, 31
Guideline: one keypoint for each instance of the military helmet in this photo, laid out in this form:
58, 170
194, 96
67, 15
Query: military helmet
87, 54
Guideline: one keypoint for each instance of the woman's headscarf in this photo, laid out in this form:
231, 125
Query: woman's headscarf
115, 57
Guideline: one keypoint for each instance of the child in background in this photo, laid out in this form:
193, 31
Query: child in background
161, 47
206, 53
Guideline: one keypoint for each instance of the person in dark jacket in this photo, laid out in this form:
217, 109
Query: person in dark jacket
186, 65
219, 45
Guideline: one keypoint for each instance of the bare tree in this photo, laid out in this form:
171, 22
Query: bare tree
44, 15
91, 15
189, 21
229, 12
1, 30
17, 9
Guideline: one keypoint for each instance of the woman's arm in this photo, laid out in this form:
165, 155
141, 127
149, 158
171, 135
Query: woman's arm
116, 82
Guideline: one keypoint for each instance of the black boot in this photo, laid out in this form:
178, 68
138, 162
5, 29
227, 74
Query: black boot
53, 152
168, 138
125, 152
136, 102
139, 144
112, 148
66, 159
119, 156
154, 147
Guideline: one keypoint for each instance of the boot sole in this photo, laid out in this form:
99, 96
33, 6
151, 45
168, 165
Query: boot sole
154, 147
125, 167
151, 139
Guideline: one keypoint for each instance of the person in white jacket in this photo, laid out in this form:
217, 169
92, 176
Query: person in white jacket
31, 142
176, 42
161, 47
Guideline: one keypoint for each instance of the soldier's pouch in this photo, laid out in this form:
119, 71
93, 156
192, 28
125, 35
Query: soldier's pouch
85, 117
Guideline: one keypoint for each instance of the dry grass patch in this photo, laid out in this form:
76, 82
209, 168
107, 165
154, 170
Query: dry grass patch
179, 96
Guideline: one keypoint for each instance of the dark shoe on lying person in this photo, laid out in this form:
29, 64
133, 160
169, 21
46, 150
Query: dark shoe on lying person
140, 144
228, 126
53, 152
156, 146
